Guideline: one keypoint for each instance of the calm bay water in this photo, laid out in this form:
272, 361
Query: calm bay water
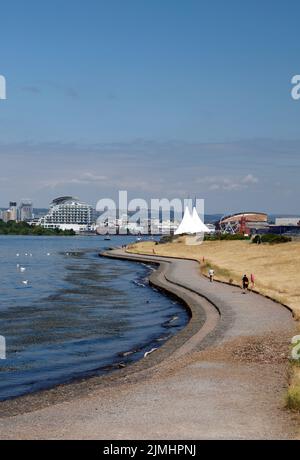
78, 315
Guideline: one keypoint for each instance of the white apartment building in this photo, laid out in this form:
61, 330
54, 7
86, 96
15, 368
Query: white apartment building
68, 213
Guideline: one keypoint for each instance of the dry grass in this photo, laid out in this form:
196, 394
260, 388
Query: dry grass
276, 267
293, 393
293, 398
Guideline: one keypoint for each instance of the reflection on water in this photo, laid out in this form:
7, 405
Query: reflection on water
78, 314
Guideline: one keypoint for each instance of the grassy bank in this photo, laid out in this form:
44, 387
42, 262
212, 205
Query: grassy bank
293, 393
276, 267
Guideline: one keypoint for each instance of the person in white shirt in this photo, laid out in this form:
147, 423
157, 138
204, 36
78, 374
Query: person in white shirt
211, 273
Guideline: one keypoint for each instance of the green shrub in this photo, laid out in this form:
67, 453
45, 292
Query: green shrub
293, 398
271, 238
169, 239
225, 237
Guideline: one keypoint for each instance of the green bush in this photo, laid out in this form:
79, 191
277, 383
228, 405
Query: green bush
226, 237
293, 398
169, 239
271, 238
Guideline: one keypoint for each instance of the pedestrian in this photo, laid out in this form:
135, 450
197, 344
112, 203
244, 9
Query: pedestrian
245, 281
211, 274
252, 278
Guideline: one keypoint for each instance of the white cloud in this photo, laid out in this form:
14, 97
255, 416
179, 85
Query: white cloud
82, 179
214, 183
213, 187
250, 179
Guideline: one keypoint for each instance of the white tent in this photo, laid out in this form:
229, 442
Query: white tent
191, 223
200, 226
187, 223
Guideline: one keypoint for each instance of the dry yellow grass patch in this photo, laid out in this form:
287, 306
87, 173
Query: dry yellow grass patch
293, 393
276, 267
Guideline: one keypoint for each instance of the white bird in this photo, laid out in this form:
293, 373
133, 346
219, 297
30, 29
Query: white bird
30, 255
18, 265
148, 352
22, 269
17, 255
25, 282
48, 253
26, 254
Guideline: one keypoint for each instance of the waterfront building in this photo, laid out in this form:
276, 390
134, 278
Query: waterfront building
293, 221
243, 222
25, 210
68, 213
6, 215
13, 211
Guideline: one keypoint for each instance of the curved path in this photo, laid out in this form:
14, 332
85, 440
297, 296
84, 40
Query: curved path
224, 379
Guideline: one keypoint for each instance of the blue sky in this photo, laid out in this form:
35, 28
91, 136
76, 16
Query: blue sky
162, 98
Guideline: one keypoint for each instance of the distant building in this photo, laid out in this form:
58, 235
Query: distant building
243, 222
68, 213
25, 210
293, 221
11, 213
13, 210
6, 216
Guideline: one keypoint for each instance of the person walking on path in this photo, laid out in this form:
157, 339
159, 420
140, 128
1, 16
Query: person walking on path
245, 281
211, 274
252, 279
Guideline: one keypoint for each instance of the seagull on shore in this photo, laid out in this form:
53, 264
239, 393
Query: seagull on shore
22, 269
149, 352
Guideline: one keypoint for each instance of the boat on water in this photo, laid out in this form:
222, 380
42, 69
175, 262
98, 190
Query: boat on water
107, 238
